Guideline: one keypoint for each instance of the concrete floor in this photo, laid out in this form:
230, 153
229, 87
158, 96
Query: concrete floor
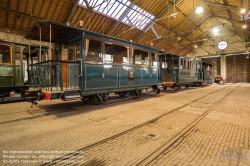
32, 136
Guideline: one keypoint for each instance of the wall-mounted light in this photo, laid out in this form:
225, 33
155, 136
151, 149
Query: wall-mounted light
131, 40
151, 44
199, 10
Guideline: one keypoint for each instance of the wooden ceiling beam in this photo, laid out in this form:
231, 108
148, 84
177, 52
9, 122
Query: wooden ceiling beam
7, 17
229, 19
19, 13
197, 37
47, 11
17, 9
228, 11
222, 5
71, 11
175, 27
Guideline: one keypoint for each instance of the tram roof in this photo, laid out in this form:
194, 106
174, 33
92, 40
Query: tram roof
57, 29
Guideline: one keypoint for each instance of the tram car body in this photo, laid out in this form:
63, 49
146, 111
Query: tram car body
13, 76
179, 71
92, 64
205, 74
14, 71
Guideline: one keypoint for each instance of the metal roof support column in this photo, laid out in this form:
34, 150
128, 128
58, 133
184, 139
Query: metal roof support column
40, 50
50, 56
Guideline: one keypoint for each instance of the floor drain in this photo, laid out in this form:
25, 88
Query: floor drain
151, 136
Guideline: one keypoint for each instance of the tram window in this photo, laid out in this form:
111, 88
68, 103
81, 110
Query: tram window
18, 55
93, 50
78, 50
5, 54
75, 51
176, 63
140, 57
71, 53
183, 64
64, 52
164, 65
44, 55
154, 60
173, 64
115, 53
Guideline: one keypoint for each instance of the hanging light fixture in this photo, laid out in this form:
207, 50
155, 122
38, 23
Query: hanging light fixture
242, 11
244, 26
199, 10
215, 31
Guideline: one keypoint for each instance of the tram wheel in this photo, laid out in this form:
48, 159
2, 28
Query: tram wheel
122, 94
97, 100
133, 93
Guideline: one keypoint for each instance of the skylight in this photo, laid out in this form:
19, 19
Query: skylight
135, 17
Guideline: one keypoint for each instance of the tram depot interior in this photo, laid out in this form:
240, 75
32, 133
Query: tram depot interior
143, 35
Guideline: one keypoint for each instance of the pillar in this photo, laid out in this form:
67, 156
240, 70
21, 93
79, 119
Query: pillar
223, 66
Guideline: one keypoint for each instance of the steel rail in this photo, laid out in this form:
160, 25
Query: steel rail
68, 156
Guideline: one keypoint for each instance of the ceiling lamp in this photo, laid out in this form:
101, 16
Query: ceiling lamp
195, 46
244, 26
243, 11
199, 10
215, 31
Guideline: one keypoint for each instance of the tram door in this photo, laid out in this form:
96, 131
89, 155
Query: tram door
163, 68
74, 65
62, 55
19, 66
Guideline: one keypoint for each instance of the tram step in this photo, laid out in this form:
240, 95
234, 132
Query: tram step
71, 94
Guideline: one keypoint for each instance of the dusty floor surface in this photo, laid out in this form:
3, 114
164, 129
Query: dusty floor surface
53, 129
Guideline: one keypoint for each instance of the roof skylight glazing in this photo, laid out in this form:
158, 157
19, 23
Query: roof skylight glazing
135, 16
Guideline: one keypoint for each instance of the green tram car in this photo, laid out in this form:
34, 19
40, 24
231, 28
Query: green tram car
91, 65
178, 71
14, 61
205, 74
